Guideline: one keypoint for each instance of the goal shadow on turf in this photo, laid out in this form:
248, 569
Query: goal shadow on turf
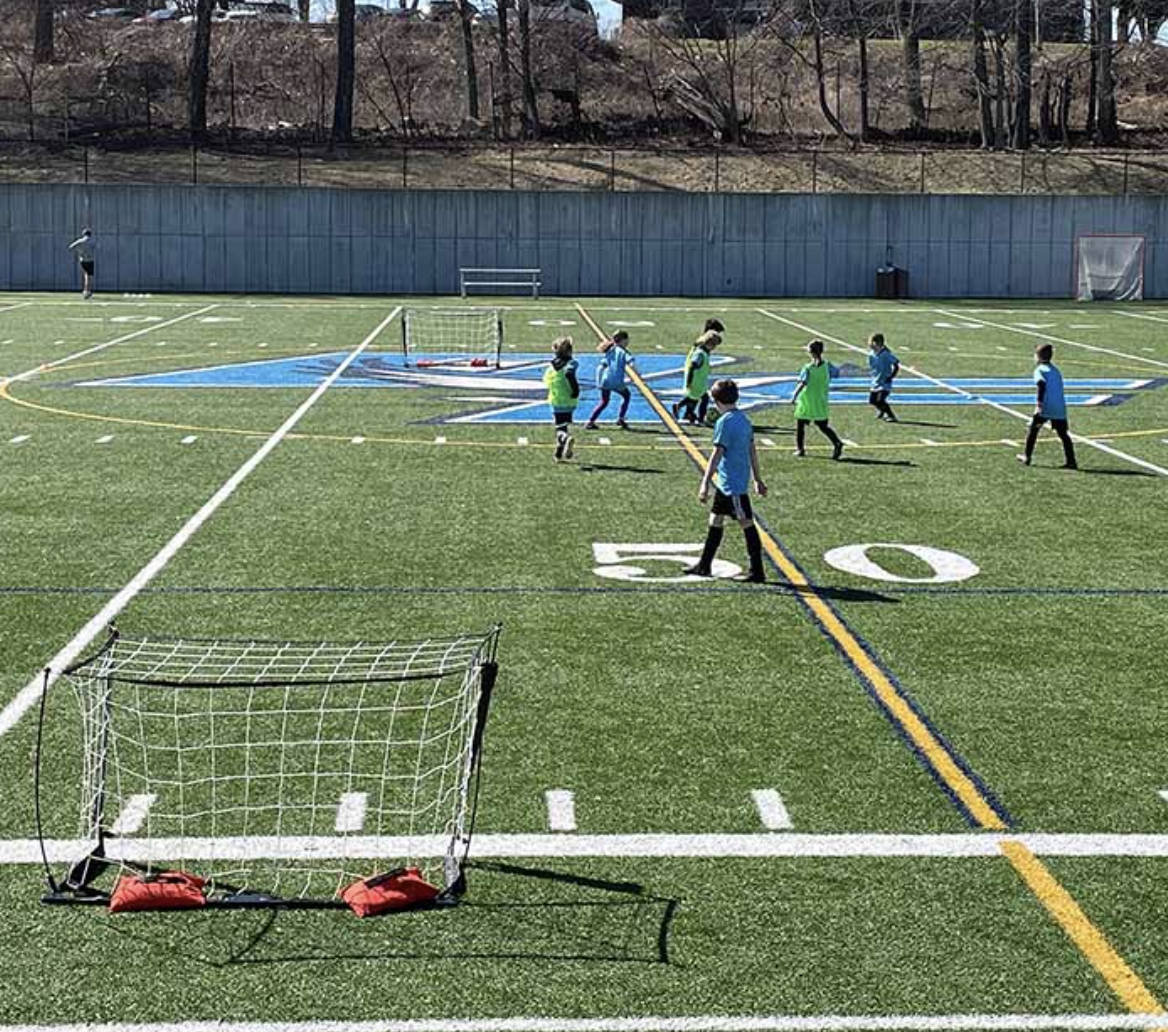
512, 913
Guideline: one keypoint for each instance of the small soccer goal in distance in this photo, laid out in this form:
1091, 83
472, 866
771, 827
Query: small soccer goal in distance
1109, 267
276, 773
467, 337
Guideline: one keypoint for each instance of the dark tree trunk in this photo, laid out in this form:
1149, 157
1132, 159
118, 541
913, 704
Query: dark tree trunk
981, 79
304, 9
1107, 128
1023, 28
346, 73
865, 114
200, 70
910, 43
506, 95
1066, 93
530, 103
1093, 80
468, 53
42, 45
821, 86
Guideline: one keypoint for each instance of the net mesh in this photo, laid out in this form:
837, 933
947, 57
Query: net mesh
261, 765
1110, 268
453, 335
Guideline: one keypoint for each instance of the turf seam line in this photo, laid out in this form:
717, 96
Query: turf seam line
976, 806
980, 398
1091, 942
31, 693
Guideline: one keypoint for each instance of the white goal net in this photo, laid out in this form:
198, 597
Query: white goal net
279, 770
459, 336
1109, 268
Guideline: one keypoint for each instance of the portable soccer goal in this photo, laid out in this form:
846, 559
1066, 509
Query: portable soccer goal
470, 337
1109, 268
270, 773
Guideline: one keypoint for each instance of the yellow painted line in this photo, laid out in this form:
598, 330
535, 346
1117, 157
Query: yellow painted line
939, 758
1092, 943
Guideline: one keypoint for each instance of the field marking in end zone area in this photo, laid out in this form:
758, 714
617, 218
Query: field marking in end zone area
964, 789
981, 398
659, 1023
93, 349
31, 693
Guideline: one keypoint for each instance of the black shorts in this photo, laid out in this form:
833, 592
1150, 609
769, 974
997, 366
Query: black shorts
1058, 425
735, 506
87, 267
876, 397
564, 418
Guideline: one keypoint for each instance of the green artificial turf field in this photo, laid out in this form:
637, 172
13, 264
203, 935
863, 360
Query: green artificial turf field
919, 780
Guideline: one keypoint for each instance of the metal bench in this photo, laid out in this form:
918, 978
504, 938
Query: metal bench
470, 279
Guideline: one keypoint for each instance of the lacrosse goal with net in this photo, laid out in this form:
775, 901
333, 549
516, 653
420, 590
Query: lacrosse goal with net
276, 772
1109, 267
460, 336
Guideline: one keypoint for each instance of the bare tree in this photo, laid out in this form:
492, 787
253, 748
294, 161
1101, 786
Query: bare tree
402, 61
530, 102
506, 93
1107, 124
199, 72
18, 55
1023, 32
466, 22
342, 131
908, 30
42, 48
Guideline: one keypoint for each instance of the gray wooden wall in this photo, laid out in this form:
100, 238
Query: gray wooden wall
288, 240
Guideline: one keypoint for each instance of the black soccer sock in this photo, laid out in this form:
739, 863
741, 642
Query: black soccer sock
800, 434
1031, 441
703, 408
713, 540
1068, 448
753, 549
829, 433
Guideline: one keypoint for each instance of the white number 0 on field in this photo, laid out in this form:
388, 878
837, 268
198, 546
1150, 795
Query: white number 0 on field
622, 562
947, 567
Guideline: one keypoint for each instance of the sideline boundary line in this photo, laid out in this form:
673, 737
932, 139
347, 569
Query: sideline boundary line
981, 398
675, 1023
31, 693
556, 845
972, 799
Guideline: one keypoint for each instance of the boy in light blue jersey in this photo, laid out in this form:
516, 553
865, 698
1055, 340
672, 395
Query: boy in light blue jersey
884, 366
1050, 406
732, 466
610, 378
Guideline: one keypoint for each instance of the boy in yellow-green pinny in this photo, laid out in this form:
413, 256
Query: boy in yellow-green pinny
811, 400
697, 374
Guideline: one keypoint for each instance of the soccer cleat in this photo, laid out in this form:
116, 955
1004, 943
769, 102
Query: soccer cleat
591, 425
1069, 465
891, 418
837, 450
622, 424
569, 447
799, 453
675, 408
697, 570
1024, 459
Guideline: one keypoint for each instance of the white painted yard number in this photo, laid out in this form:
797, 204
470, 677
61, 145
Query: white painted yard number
947, 566
617, 562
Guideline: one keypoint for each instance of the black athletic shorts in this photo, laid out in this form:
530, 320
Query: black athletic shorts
87, 267
876, 397
736, 506
564, 418
1058, 425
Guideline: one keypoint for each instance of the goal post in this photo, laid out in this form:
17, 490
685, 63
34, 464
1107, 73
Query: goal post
1109, 267
457, 336
274, 773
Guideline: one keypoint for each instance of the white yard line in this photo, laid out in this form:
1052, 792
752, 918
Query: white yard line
771, 811
133, 814
1069, 343
351, 811
31, 693
561, 809
1141, 315
764, 845
657, 1023
29, 373
981, 398
12, 308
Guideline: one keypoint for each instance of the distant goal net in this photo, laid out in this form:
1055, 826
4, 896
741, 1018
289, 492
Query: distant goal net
470, 337
270, 772
1109, 268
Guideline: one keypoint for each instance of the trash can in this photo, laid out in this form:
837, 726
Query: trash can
891, 283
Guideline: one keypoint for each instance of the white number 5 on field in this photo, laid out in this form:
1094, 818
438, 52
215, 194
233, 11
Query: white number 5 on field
623, 562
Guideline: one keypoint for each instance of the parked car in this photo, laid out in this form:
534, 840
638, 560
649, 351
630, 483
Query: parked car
261, 10
570, 12
123, 14
160, 17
